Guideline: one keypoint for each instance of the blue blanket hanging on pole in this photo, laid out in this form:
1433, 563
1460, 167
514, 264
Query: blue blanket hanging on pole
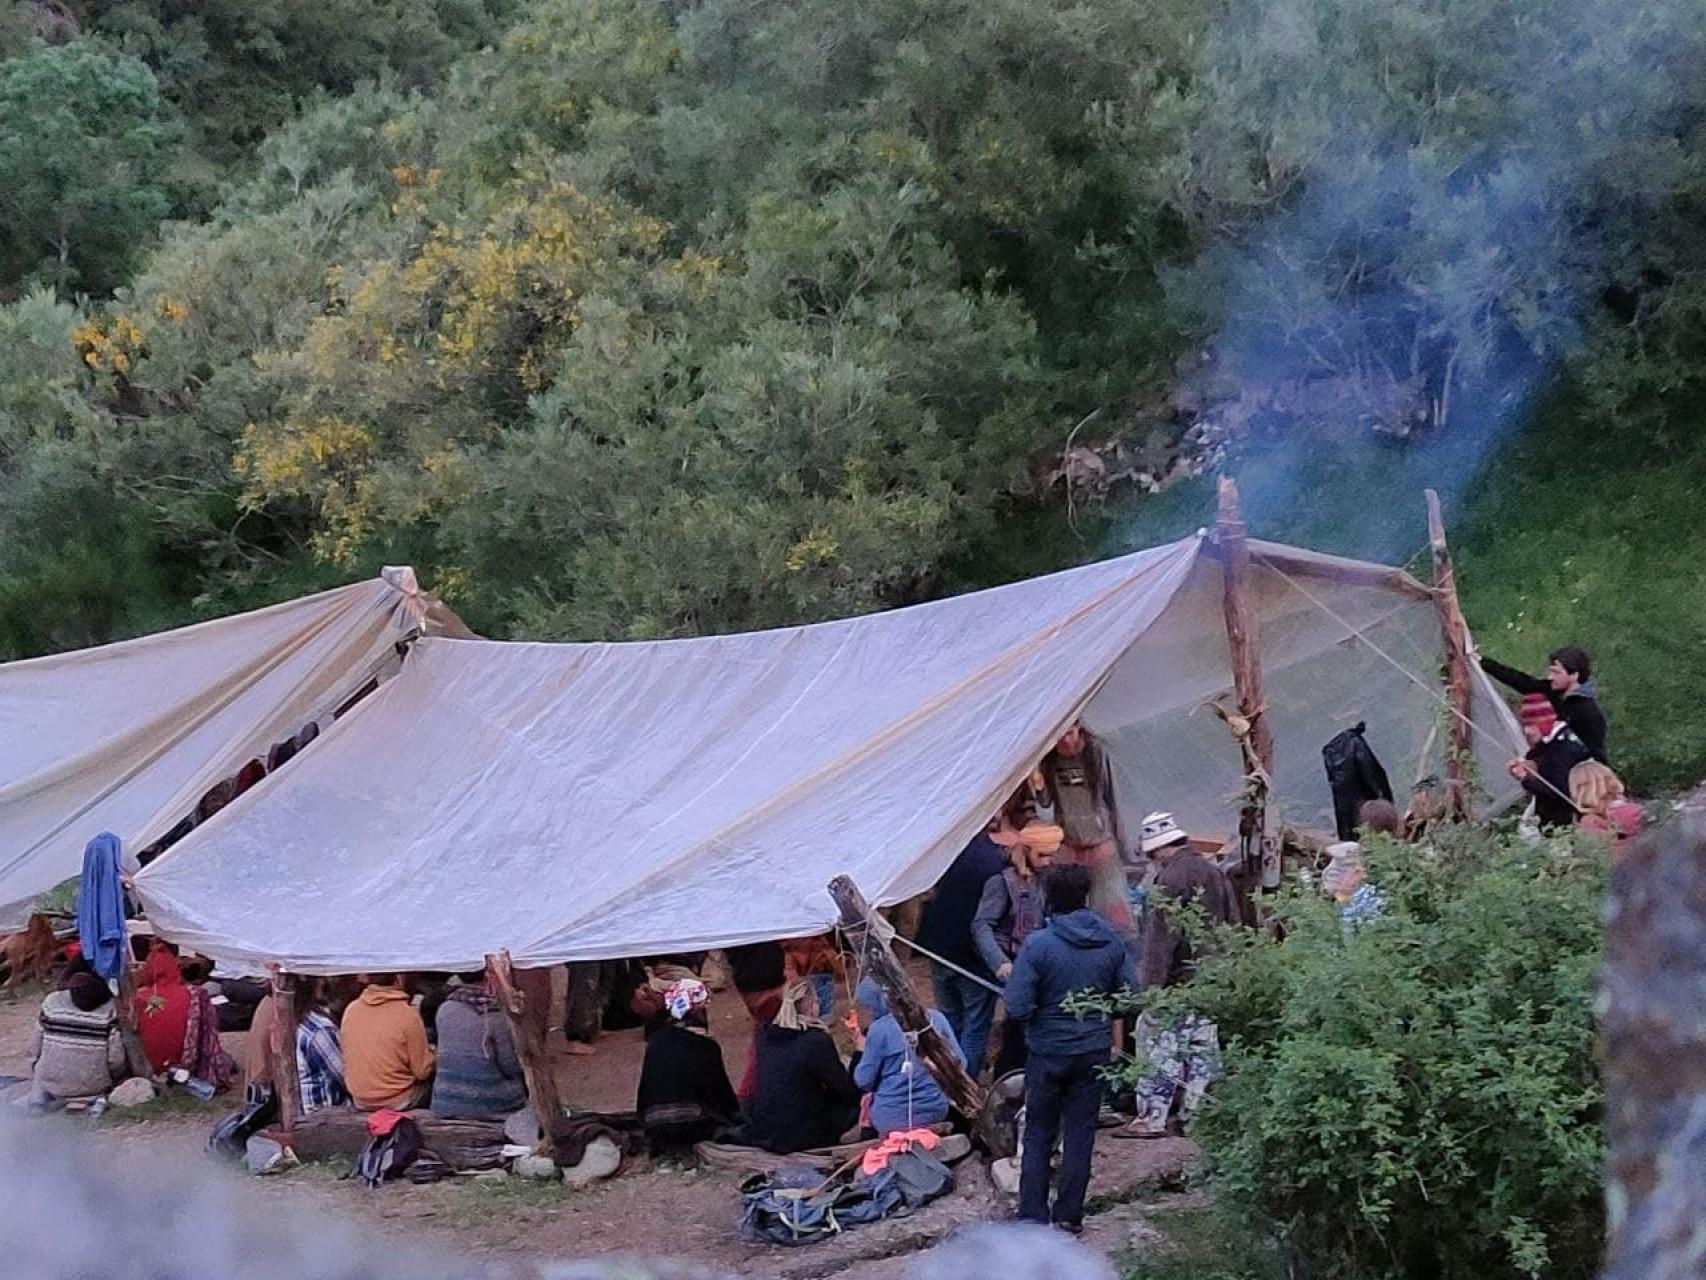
100, 906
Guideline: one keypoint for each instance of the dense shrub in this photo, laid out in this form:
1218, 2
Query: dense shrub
1419, 1099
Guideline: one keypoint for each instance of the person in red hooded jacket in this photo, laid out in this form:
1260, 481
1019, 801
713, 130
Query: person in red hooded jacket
176, 1022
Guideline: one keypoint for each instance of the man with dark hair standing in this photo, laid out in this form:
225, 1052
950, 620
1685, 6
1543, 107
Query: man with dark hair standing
1076, 952
1568, 686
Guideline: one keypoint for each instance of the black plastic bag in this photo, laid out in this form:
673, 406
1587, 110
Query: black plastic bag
231, 1135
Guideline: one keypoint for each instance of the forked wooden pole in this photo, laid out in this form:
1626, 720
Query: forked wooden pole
1244, 648
1458, 686
880, 965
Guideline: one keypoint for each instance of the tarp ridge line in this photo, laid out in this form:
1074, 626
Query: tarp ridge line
719, 840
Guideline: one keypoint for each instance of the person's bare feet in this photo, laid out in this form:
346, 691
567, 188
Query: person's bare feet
580, 1049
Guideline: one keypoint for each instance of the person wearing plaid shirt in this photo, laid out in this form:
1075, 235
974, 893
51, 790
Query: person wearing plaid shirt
320, 1062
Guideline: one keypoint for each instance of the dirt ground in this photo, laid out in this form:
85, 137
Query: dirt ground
650, 1211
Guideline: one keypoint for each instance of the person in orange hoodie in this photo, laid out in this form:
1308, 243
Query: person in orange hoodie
387, 1061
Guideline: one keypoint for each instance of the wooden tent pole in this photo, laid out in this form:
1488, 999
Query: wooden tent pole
1458, 686
880, 965
1244, 647
530, 1048
135, 1057
286, 1073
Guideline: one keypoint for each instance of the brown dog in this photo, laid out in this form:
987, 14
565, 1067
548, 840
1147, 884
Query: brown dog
29, 954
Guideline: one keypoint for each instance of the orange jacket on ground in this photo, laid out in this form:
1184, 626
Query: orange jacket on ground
385, 1046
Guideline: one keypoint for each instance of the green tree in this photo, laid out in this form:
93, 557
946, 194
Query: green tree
85, 145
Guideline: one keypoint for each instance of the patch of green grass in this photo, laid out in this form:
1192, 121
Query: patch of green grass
328, 1169
1583, 533
1199, 1244
465, 1203
166, 1106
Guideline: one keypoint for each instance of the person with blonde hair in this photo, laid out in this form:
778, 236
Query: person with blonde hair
1597, 793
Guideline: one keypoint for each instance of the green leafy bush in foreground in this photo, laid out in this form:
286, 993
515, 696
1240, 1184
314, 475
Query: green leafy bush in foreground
1419, 1099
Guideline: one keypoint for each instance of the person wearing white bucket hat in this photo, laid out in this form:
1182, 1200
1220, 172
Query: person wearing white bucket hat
1160, 831
1183, 1048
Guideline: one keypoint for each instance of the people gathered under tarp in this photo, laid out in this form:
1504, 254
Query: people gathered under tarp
75, 1051
903, 1094
803, 1096
176, 1020
477, 1072
684, 1096
388, 1063
960, 977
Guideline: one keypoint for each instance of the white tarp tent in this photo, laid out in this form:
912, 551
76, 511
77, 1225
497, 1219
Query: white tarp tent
127, 737
584, 801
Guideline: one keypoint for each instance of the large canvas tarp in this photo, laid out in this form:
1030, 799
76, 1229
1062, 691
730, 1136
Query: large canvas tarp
598, 800
127, 737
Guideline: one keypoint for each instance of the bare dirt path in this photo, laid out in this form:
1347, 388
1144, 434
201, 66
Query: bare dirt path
648, 1211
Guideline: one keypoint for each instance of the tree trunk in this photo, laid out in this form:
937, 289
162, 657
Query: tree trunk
880, 965
342, 1131
1455, 632
1244, 649
530, 1048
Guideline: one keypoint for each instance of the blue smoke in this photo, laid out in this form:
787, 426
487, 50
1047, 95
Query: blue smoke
1430, 268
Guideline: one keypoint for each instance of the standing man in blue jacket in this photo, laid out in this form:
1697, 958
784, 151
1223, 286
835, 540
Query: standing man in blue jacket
1076, 952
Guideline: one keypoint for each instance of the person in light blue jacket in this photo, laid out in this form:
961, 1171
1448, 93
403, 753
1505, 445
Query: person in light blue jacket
904, 1095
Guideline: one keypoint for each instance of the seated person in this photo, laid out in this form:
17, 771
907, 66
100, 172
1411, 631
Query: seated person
76, 1049
479, 1076
1597, 793
1380, 817
319, 1054
176, 1022
904, 1095
427, 991
685, 1095
802, 1096
257, 1045
1345, 881
815, 959
1545, 771
387, 1061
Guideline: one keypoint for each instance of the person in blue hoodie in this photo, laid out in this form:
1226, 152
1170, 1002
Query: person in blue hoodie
1076, 952
904, 1095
